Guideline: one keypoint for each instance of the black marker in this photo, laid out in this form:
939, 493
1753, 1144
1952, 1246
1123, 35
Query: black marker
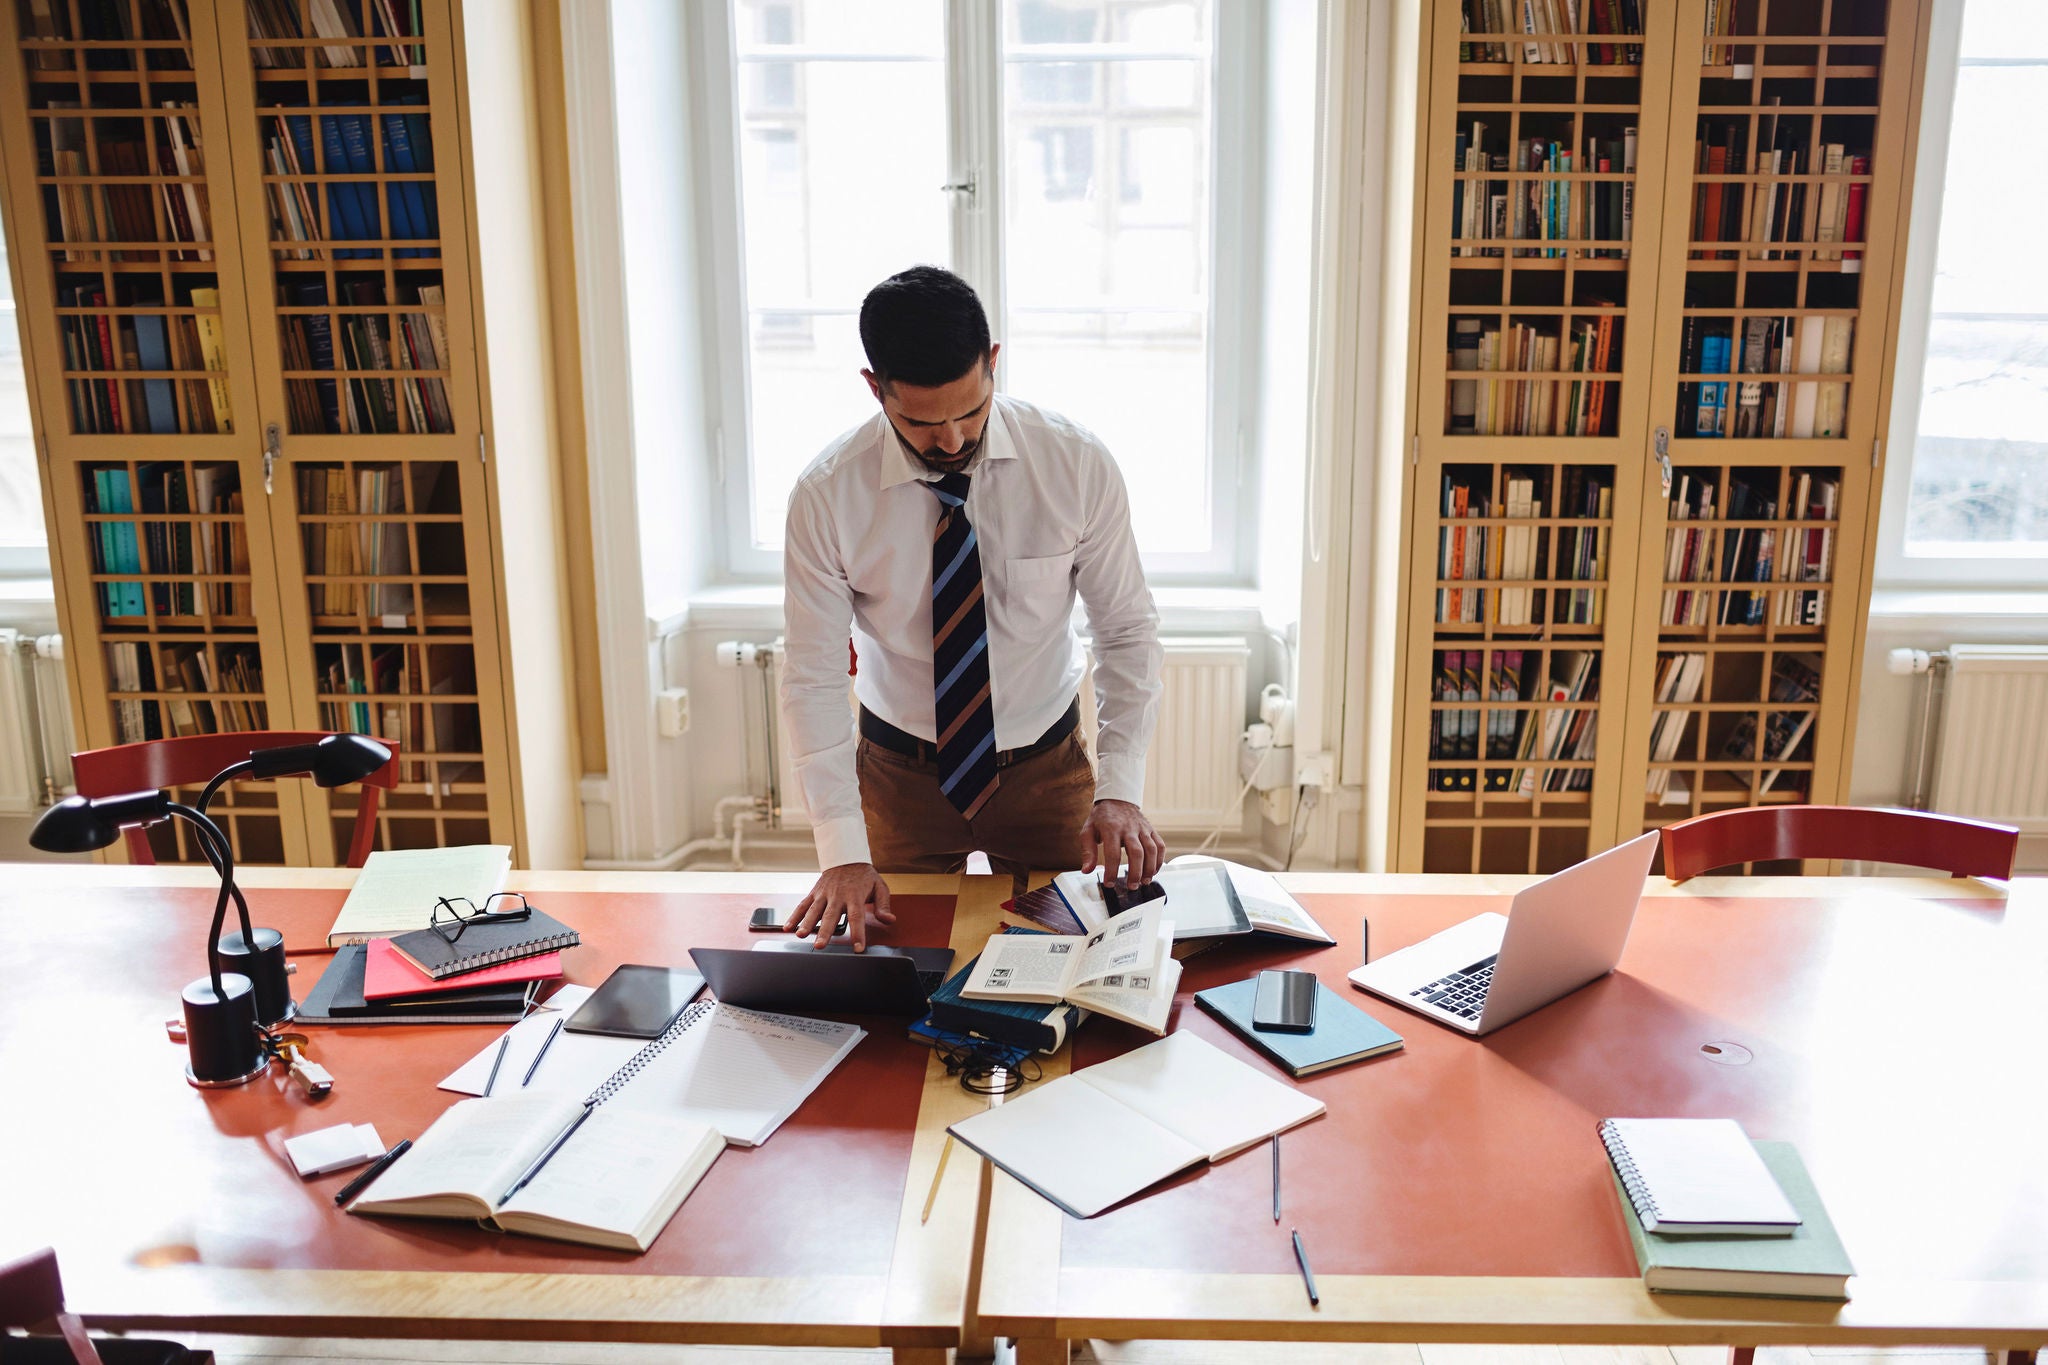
377, 1168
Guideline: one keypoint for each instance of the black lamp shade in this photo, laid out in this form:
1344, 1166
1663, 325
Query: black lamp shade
334, 760
80, 824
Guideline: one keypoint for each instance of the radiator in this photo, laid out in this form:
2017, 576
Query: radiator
1191, 769
1991, 760
35, 723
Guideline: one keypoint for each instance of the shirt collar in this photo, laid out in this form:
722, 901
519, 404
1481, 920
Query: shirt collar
897, 466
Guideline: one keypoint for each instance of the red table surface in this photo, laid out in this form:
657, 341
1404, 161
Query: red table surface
1896, 1042
110, 1152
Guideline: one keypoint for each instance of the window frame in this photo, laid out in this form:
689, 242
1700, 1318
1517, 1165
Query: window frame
1895, 568
975, 110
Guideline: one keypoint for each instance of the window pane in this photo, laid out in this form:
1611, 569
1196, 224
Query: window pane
842, 152
1982, 444
21, 497
1107, 251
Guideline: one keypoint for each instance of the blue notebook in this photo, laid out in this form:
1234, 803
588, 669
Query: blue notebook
1343, 1032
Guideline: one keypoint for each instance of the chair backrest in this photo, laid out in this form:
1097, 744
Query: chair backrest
31, 1294
1946, 843
191, 759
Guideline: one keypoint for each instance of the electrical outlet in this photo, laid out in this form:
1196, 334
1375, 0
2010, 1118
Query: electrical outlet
672, 712
1265, 766
1316, 770
1276, 807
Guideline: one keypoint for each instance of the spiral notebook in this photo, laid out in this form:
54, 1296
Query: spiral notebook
483, 944
1697, 1177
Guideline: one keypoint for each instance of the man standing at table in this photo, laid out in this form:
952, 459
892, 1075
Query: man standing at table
948, 537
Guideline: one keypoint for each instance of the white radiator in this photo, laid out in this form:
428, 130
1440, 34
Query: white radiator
1992, 762
35, 723
1191, 769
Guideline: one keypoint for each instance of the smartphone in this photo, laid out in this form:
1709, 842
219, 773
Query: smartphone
636, 1001
766, 919
1285, 1002
1119, 900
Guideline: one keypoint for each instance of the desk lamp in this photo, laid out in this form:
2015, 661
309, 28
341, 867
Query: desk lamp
222, 1035
333, 761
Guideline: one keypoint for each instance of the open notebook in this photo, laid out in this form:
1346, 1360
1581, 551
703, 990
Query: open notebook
1105, 1132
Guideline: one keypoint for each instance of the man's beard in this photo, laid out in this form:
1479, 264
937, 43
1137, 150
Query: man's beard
936, 460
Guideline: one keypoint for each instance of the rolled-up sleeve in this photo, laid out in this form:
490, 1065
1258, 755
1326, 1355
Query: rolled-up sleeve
817, 715
1125, 624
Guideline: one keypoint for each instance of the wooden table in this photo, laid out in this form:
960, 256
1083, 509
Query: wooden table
1456, 1191
176, 1208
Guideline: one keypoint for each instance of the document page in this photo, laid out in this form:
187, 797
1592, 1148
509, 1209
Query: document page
1129, 942
1205, 1095
396, 890
1076, 1146
616, 1170
1034, 967
476, 1148
741, 1071
1143, 998
575, 1065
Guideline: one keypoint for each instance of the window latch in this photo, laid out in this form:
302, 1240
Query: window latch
273, 444
969, 187
1661, 443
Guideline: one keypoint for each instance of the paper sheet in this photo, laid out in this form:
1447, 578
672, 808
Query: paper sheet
576, 1064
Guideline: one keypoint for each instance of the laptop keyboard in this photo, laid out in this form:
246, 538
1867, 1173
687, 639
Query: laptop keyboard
1463, 992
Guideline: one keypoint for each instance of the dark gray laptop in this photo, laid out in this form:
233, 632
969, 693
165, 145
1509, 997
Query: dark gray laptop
795, 976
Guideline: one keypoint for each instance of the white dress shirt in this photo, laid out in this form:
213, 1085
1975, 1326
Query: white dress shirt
1052, 520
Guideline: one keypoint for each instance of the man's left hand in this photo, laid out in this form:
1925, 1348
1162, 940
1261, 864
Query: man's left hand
1117, 834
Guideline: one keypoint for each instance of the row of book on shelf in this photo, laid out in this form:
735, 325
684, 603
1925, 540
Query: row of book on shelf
1536, 20
315, 341
1776, 209
1802, 344
341, 21
234, 677
344, 548
1521, 736
143, 342
1541, 209
107, 21
1795, 682
1500, 553
124, 208
381, 673
413, 211
1749, 554
1532, 407
175, 548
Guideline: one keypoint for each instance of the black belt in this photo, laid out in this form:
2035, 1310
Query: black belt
880, 732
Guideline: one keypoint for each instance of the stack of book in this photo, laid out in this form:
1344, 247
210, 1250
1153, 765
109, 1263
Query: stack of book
1707, 1211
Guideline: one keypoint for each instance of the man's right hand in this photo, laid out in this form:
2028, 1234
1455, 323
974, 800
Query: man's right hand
851, 889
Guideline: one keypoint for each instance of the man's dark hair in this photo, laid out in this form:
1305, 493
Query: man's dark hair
924, 326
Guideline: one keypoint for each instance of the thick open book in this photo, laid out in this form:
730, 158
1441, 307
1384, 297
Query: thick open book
615, 1183
1124, 969
1098, 1136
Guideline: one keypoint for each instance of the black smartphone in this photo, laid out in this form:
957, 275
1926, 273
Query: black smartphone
766, 919
636, 1001
1285, 1002
1119, 900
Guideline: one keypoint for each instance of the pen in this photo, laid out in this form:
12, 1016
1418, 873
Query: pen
377, 1168
542, 1159
547, 1043
1276, 1177
937, 1176
1364, 942
497, 1062
1308, 1277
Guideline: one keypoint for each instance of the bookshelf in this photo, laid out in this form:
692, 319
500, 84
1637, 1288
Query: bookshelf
300, 523
1615, 226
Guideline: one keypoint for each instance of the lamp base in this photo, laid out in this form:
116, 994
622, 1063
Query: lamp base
221, 1036
230, 1083
263, 963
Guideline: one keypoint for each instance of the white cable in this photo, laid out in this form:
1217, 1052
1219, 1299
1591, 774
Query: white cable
1236, 805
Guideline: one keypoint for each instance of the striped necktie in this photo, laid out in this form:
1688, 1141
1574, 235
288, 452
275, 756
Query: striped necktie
964, 711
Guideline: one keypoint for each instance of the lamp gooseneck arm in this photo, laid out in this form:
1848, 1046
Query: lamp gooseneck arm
221, 779
222, 855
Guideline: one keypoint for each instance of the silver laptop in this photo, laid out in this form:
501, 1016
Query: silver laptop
1492, 969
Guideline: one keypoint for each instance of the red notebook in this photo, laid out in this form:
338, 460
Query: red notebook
388, 976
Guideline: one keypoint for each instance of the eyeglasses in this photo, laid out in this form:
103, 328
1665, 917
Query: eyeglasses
453, 914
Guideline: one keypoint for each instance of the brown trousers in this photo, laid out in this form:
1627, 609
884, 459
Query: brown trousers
1031, 824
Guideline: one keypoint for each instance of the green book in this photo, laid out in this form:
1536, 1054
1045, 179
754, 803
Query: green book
1810, 1264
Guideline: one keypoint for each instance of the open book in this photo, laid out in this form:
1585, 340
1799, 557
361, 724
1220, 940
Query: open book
616, 1183
1266, 903
1098, 1136
1125, 969
1200, 900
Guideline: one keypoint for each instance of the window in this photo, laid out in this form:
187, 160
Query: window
1083, 166
1971, 408
23, 548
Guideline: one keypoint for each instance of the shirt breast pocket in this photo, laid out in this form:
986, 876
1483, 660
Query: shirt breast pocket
1040, 592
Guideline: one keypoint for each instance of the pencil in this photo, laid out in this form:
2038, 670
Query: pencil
937, 1176
546, 1043
499, 1061
1276, 1177
1308, 1277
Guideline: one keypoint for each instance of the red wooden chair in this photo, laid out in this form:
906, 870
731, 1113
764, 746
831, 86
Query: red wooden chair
32, 1296
1962, 848
192, 759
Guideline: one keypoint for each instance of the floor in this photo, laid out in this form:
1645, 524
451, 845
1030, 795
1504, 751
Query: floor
293, 1351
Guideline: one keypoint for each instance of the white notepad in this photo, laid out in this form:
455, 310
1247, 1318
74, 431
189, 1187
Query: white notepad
1100, 1135
396, 890
1698, 1176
